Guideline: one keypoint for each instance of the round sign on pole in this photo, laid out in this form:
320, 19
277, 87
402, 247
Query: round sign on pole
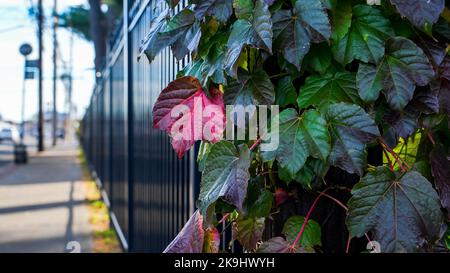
25, 49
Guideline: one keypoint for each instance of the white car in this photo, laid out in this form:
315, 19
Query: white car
9, 133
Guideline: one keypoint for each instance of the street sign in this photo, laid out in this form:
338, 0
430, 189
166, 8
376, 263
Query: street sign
29, 75
25, 49
31, 63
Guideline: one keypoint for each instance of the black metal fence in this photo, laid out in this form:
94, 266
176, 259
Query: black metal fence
149, 191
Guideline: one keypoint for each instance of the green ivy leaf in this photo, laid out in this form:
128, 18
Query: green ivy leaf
365, 38
221, 10
152, 44
311, 234
422, 14
305, 176
243, 9
319, 58
300, 137
248, 231
262, 206
403, 212
341, 17
295, 29
403, 67
251, 89
329, 88
285, 93
399, 125
225, 176
262, 24
215, 60
351, 129
254, 32
313, 171
181, 32
440, 167
369, 81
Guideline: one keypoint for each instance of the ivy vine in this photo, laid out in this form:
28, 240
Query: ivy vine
349, 76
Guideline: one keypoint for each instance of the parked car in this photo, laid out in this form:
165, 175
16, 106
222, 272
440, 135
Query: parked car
9, 134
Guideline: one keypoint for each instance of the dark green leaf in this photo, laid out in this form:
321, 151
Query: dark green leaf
251, 89
319, 58
403, 212
421, 13
285, 93
440, 167
305, 176
242, 33
341, 17
351, 129
426, 100
299, 137
339, 87
365, 38
370, 82
254, 32
311, 233
262, 205
248, 231
403, 67
400, 124
214, 63
295, 29
262, 23
225, 176
151, 45
219, 9
180, 32
435, 51
243, 9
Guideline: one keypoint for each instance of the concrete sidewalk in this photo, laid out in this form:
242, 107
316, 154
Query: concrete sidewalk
42, 204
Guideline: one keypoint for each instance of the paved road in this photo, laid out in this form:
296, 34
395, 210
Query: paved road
42, 204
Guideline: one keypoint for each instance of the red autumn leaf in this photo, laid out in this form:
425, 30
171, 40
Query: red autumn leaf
190, 238
187, 114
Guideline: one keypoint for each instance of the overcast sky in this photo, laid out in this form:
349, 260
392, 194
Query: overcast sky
16, 27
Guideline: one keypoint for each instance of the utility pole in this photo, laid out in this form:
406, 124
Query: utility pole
55, 73
40, 112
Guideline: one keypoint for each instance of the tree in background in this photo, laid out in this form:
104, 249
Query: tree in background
94, 23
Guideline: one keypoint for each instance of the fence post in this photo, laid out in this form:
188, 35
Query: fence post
129, 93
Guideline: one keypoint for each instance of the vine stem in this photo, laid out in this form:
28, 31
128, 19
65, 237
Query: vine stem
257, 142
430, 136
347, 249
278, 75
389, 160
302, 229
224, 218
398, 159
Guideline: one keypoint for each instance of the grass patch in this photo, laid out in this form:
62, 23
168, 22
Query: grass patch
104, 237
